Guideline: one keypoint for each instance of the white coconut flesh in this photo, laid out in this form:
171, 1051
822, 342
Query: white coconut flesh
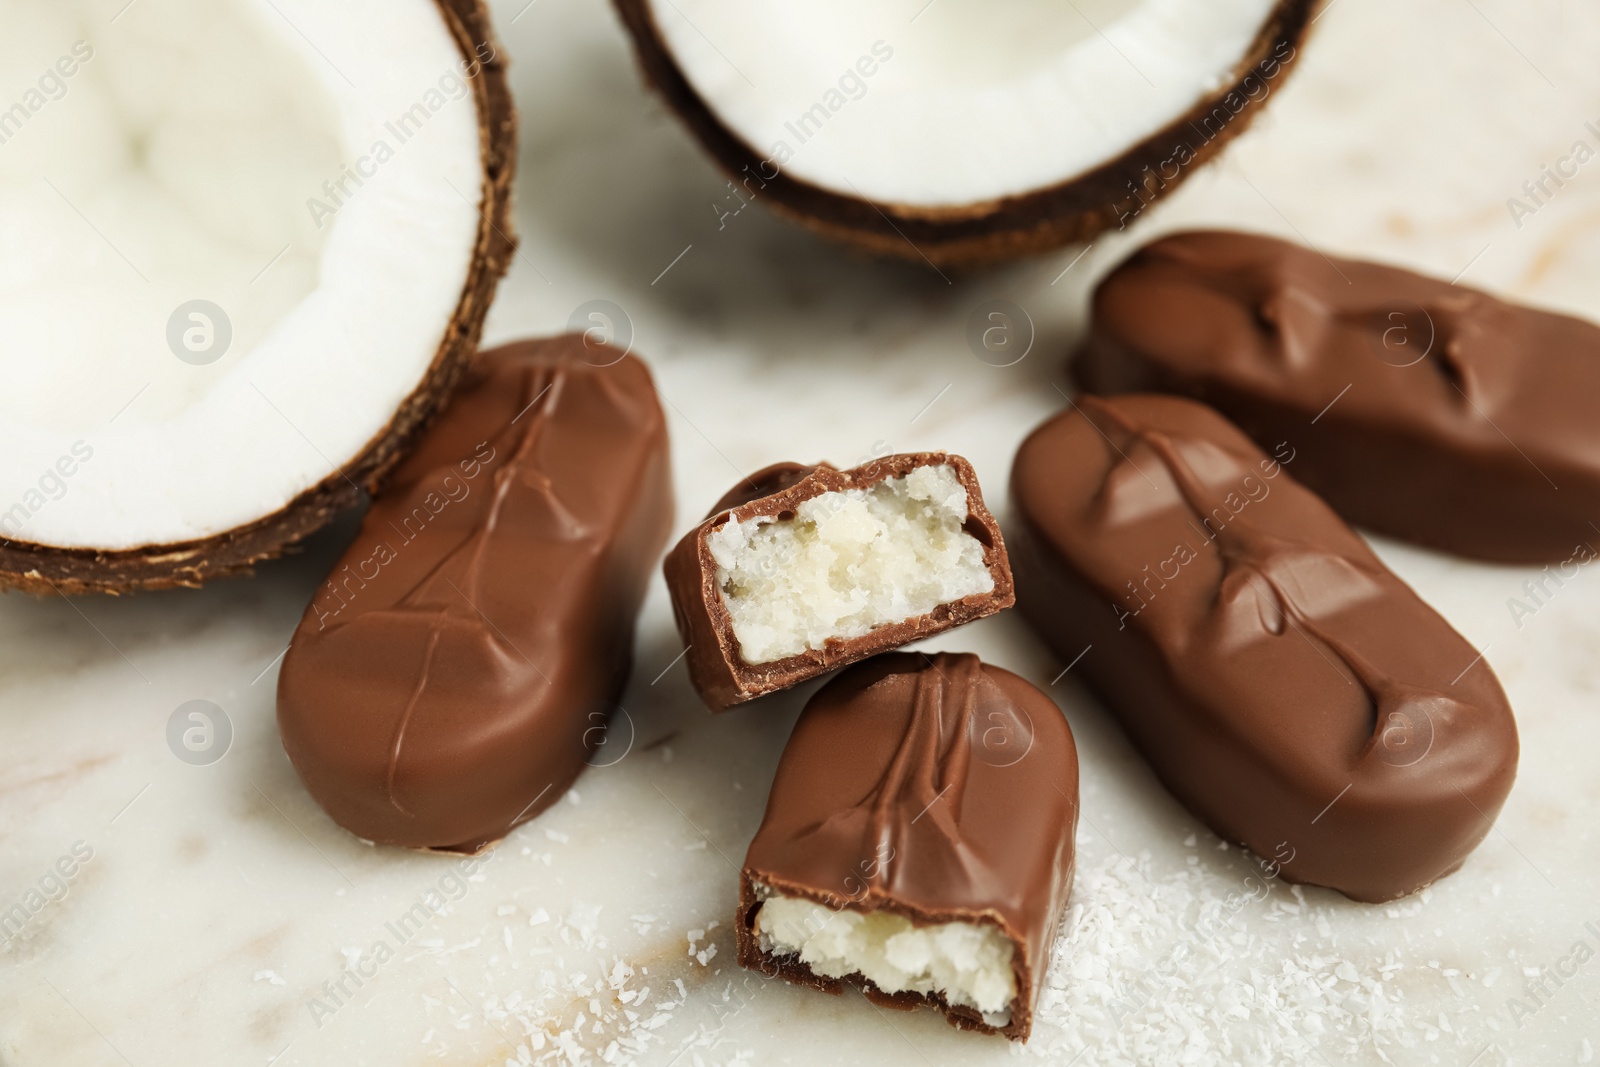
968, 964
951, 102
848, 562
167, 151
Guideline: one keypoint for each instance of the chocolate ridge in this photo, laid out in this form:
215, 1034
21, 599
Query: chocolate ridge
1227, 674
1418, 408
897, 801
439, 693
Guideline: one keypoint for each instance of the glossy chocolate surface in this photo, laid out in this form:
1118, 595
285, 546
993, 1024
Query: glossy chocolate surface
1420, 409
454, 673
716, 667
1284, 685
936, 787
765, 482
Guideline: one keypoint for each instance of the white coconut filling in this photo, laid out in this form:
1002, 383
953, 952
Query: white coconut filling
848, 562
955, 102
168, 151
969, 964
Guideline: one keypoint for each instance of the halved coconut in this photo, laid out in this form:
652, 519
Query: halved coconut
964, 130
249, 245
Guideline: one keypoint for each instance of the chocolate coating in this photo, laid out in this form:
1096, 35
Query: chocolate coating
1421, 409
450, 679
765, 482
1284, 685
938, 788
716, 667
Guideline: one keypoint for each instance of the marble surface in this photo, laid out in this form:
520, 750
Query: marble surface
217, 905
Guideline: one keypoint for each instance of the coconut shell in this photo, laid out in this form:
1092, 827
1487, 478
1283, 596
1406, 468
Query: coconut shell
1076, 210
46, 569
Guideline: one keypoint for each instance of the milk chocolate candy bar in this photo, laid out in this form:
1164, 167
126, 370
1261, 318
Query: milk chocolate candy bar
800, 570
918, 841
1425, 410
455, 672
1284, 685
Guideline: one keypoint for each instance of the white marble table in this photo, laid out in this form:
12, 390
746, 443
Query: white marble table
216, 901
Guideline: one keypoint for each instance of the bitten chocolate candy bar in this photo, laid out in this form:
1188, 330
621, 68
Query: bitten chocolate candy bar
1283, 683
1417, 408
918, 841
453, 674
801, 570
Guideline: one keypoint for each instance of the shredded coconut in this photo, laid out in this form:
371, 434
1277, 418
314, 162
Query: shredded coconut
1152, 969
